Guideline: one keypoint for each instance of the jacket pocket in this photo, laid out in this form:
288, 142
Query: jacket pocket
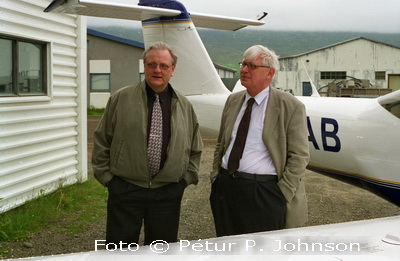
185, 163
117, 154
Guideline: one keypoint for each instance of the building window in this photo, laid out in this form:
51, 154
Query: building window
100, 82
22, 70
380, 75
333, 75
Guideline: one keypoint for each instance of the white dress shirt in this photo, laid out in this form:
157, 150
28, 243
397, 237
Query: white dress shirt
256, 158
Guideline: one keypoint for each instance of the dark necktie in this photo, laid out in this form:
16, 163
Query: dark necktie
155, 139
240, 141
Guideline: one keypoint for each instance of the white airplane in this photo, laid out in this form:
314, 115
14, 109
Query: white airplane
352, 137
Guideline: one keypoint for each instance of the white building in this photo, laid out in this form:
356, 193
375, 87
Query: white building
375, 64
43, 130
225, 72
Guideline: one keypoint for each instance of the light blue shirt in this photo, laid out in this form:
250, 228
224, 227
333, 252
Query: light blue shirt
256, 158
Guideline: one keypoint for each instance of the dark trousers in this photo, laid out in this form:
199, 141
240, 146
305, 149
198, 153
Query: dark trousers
242, 205
130, 205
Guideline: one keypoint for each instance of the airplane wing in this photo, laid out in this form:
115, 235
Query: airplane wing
138, 13
376, 239
108, 9
390, 98
223, 22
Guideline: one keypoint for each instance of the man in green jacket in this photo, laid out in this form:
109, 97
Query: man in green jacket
147, 149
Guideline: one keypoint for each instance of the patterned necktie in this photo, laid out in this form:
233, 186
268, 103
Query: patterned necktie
241, 136
155, 138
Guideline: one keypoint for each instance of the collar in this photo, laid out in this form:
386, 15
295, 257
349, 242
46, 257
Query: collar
260, 97
163, 95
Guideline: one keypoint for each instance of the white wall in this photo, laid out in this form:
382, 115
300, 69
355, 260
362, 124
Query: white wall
44, 138
99, 99
225, 73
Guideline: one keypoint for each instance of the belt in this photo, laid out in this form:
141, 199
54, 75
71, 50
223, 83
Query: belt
244, 175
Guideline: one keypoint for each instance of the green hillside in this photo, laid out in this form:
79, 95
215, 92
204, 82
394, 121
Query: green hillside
226, 48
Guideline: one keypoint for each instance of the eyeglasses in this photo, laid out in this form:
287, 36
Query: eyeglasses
155, 65
251, 66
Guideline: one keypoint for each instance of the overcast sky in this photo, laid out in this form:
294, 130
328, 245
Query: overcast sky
301, 15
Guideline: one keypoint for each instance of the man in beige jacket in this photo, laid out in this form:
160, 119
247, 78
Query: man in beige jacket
259, 166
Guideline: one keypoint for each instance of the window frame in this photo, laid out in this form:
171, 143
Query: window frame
333, 75
45, 70
100, 91
380, 75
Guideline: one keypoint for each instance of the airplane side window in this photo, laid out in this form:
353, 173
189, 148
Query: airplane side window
394, 108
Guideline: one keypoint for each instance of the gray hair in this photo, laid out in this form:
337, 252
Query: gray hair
160, 46
270, 58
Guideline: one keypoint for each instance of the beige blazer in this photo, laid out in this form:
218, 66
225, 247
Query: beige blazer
285, 136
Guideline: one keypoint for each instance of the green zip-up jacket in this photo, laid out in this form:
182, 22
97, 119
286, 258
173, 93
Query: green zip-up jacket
120, 141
